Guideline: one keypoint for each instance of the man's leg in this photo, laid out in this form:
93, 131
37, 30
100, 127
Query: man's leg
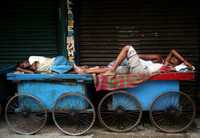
90, 70
97, 70
120, 58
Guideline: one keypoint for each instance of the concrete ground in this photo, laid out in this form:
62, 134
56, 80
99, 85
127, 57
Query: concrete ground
146, 131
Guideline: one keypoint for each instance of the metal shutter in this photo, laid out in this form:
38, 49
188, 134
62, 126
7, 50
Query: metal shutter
104, 26
28, 27
156, 26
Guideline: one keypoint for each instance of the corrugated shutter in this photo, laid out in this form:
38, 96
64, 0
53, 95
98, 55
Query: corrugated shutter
152, 26
104, 26
28, 27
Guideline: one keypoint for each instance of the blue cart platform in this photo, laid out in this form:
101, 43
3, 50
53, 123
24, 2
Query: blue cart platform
170, 110
65, 95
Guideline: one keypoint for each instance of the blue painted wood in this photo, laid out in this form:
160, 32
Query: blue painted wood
49, 87
48, 93
14, 76
146, 93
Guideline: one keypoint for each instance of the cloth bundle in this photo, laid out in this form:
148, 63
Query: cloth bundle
106, 82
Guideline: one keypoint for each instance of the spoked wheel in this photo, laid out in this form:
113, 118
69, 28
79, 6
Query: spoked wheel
25, 114
172, 112
73, 114
119, 111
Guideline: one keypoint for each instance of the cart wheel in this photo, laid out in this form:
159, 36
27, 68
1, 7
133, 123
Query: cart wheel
25, 114
172, 112
73, 114
119, 111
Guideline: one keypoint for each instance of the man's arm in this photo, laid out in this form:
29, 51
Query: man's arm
24, 70
176, 54
34, 66
179, 57
169, 56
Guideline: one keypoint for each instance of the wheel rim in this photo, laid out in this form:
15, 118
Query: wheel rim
119, 111
25, 114
73, 114
175, 114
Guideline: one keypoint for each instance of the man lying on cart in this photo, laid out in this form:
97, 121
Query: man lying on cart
136, 63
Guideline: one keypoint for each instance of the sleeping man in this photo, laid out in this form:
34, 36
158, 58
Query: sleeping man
151, 63
40, 64
136, 64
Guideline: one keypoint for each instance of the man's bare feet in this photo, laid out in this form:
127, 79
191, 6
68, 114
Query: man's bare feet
78, 69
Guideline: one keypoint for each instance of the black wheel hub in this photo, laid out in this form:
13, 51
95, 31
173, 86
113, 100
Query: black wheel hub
25, 113
74, 115
173, 111
119, 110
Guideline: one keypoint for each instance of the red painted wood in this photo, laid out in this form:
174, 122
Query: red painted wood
174, 76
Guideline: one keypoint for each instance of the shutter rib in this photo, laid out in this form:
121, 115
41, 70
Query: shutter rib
28, 27
104, 26
156, 26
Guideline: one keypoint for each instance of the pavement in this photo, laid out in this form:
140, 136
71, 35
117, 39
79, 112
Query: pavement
142, 131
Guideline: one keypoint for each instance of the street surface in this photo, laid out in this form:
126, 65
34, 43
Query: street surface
146, 131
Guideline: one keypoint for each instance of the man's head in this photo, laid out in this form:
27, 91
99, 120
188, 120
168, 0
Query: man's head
174, 61
24, 64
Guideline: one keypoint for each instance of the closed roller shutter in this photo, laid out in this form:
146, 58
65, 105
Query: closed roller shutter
104, 26
152, 26
28, 27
